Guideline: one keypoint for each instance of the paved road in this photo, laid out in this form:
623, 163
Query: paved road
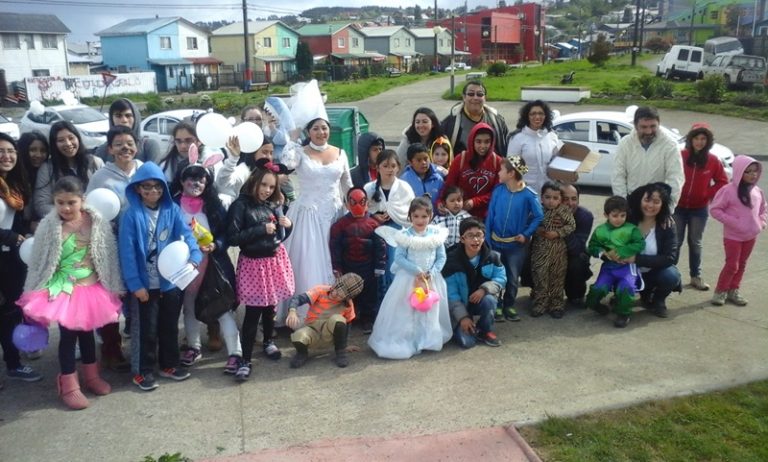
545, 367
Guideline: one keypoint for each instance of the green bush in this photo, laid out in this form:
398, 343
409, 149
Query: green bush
649, 87
750, 99
711, 89
497, 69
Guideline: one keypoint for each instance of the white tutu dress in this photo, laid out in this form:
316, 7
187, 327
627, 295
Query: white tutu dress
400, 331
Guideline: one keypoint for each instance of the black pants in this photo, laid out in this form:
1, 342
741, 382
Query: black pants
157, 331
12, 275
67, 341
251, 327
577, 276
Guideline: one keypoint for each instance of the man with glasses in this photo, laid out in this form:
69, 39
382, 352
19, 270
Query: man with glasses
475, 278
471, 111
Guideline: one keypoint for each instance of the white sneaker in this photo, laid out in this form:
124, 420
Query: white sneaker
718, 299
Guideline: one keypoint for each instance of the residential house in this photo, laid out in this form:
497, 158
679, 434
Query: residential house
33, 45
436, 49
397, 43
84, 58
175, 49
340, 44
271, 47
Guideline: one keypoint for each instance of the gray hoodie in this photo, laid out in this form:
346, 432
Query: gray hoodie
148, 149
114, 179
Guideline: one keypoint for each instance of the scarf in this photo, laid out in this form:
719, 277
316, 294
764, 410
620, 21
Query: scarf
14, 198
191, 205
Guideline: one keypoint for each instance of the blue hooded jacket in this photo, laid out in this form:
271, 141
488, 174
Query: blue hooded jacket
133, 236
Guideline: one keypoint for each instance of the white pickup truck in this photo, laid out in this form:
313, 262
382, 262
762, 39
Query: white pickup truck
738, 70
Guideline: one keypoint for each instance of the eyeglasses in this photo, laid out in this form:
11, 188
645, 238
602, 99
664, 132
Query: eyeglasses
474, 236
472, 94
151, 186
7, 151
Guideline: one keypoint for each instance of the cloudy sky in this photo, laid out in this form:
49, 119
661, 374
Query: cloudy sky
85, 17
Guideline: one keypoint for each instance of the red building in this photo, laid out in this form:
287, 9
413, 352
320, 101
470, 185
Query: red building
511, 34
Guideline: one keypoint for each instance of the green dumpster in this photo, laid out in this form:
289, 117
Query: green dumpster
347, 124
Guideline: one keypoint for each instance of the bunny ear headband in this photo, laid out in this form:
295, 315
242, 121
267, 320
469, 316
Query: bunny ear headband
266, 164
194, 157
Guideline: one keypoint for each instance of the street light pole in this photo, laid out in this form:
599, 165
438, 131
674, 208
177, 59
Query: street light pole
437, 62
453, 50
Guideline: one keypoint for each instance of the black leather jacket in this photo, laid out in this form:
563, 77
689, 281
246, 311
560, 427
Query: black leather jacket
248, 227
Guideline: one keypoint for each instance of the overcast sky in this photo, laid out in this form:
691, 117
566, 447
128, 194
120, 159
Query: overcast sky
86, 17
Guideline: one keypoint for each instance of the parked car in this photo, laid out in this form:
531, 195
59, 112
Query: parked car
8, 127
601, 131
92, 124
681, 61
741, 71
721, 46
459, 67
159, 127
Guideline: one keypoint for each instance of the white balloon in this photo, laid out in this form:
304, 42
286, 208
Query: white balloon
173, 258
213, 130
232, 121
250, 136
104, 201
25, 250
36, 107
68, 98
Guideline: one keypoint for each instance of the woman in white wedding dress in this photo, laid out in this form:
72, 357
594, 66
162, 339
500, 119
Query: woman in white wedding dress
323, 180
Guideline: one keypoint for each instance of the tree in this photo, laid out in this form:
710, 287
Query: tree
417, 14
599, 53
657, 44
304, 60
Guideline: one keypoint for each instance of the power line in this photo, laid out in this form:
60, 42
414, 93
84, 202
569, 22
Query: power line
155, 6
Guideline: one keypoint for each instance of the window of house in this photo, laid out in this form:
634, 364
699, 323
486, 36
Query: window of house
267, 42
713, 14
41, 73
441, 42
355, 42
341, 43
171, 73
286, 42
29, 39
407, 42
49, 41
191, 43
397, 42
165, 43
11, 42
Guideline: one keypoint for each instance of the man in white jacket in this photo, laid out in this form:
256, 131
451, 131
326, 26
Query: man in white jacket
645, 156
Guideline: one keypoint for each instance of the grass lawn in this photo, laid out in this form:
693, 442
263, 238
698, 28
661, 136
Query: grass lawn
351, 90
730, 425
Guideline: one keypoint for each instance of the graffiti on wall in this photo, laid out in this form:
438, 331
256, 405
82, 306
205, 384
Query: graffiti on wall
84, 86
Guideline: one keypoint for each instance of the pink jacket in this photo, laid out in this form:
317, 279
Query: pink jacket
740, 223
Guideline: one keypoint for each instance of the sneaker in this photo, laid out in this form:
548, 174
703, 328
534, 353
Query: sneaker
190, 357
510, 314
498, 316
272, 351
367, 328
33, 355
25, 373
621, 322
659, 308
718, 299
490, 339
146, 382
231, 366
298, 360
243, 371
698, 284
735, 297
174, 373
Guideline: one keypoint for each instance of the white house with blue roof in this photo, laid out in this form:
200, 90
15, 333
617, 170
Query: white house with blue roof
175, 49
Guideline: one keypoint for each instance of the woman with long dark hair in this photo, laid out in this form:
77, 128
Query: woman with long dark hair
68, 157
424, 129
536, 142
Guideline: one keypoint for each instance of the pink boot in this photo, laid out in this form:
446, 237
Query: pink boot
93, 381
69, 391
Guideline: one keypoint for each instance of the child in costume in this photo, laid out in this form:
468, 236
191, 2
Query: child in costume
74, 279
400, 331
151, 222
355, 247
615, 241
453, 200
264, 273
741, 207
441, 154
549, 253
326, 321
203, 211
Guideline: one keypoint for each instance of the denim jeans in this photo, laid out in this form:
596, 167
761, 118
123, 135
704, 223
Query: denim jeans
661, 282
695, 220
485, 310
155, 332
513, 259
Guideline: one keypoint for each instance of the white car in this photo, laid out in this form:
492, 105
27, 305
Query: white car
92, 124
459, 67
159, 127
601, 131
8, 127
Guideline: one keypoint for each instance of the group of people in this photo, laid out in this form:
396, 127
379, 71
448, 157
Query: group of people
418, 245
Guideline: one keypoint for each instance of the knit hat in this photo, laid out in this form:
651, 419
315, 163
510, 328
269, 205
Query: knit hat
349, 285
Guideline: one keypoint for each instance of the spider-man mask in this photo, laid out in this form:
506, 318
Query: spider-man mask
357, 202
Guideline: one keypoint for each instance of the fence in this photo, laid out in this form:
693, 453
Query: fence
83, 86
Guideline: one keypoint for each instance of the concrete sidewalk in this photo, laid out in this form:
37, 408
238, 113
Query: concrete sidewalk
430, 406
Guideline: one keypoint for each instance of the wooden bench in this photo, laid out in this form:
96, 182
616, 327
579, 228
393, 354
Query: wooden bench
258, 86
554, 93
476, 75
393, 72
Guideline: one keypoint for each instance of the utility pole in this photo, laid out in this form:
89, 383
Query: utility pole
690, 30
247, 77
434, 29
634, 39
453, 48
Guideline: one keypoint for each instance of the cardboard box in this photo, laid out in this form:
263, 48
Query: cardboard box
572, 159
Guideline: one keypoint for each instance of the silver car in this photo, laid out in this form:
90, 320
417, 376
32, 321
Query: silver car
8, 127
601, 131
92, 124
159, 127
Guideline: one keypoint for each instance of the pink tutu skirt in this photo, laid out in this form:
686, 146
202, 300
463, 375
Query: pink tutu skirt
88, 308
265, 281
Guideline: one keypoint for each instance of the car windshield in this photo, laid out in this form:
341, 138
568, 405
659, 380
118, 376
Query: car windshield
3, 119
82, 115
748, 62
